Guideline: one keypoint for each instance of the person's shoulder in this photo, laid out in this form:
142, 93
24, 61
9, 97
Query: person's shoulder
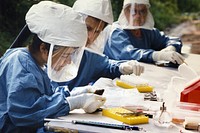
22, 56
151, 30
91, 52
119, 31
116, 26
155, 30
13, 53
15, 56
22, 53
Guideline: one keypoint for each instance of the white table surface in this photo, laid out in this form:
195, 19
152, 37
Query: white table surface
159, 77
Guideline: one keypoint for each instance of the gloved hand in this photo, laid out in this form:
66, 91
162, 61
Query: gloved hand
81, 90
171, 56
169, 48
130, 67
88, 102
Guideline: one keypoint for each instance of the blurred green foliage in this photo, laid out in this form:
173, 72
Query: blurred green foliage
166, 13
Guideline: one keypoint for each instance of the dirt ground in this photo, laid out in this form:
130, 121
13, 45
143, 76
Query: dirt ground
189, 32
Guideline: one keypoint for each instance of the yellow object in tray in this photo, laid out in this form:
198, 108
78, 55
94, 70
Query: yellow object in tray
141, 88
124, 85
122, 115
144, 88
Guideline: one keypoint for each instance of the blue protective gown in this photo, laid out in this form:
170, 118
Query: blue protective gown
122, 45
92, 67
26, 96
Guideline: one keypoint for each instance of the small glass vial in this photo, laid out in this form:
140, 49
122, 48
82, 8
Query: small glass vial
162, 118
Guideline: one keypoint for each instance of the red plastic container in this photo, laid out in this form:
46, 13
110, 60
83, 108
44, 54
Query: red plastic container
191, 93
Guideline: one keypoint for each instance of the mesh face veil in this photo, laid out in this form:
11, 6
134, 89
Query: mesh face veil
136, 15
63, 62
99, 43
95, 28
66, 32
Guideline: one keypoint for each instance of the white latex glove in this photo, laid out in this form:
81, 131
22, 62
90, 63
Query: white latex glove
169, 48
171, 56
81, 90
88, 102
130, 67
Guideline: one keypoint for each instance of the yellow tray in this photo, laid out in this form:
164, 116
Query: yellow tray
141, 88
117, 114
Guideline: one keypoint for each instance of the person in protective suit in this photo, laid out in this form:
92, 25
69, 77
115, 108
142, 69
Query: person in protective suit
26, 94
133, 36
94, 64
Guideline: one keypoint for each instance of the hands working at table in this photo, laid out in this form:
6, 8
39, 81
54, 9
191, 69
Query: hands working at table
168, 54
130, 67
83, 89
84, 97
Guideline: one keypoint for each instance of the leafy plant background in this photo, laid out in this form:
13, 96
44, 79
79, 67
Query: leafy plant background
167, 13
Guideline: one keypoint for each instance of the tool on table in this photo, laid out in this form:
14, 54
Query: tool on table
135, 114
192, 123
99, 92
192, 126
166, 64
107, 125
49, 127
162, 117
57, 129
151, 96
137, 110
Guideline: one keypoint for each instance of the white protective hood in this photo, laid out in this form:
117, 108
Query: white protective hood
63, 28
53, 23
123, 22
100, 9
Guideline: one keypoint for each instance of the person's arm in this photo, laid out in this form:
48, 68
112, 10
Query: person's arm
166, 48
112, 68
99, 65
120, 47
94, 66
174, 42
30, 97
160, 41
